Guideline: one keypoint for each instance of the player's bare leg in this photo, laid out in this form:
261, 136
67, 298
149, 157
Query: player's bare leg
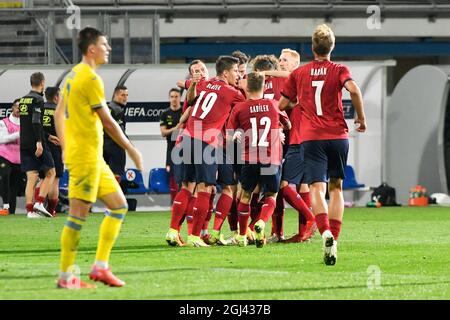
109, 231
32, 178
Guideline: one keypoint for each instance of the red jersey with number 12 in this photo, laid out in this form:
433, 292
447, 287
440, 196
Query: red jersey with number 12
259, 119
215, 99
318, 87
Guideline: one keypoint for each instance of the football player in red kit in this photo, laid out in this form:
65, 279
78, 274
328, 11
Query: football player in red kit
324, 134
258, 119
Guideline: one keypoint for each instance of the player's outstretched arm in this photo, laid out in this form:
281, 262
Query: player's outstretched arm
185, 115
357, 101
277, 73
112, 128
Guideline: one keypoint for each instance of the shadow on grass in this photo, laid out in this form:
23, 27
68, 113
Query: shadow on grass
82, 249
51, 276
292, 290
234, 292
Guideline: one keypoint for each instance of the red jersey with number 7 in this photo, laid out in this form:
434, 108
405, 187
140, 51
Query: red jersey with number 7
215, 99
259, 120
318, 87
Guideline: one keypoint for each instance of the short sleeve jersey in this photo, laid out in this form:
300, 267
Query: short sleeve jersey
273, 87
259, 120
318, 87
213, 105
83, 93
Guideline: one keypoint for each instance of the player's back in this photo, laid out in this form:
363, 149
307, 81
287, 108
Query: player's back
320, 97
259, 119
83, 92
273, 87
211, 109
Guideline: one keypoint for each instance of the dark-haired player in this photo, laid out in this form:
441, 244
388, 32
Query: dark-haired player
81, 116
259, 119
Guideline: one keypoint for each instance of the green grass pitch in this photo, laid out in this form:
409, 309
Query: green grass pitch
410, 247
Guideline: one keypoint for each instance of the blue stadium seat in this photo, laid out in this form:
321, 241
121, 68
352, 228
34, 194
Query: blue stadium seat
350, 179
135, 182
159, 181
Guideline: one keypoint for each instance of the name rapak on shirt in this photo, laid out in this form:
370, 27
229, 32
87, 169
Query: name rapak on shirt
259, 108
319, 72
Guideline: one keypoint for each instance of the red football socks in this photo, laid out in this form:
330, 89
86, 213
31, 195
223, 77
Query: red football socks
29, 207
322, 222
335, 228
40, 199
306, 198
233, 216
243, 215
36, 193
179, 207
173, 186
190, 214
296, 201
267, 209
201, 207
52, 204
222, 209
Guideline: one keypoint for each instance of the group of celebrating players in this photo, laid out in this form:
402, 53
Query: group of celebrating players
233, 128
232, 132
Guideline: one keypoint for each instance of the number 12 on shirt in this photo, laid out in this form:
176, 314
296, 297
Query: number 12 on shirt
264, 121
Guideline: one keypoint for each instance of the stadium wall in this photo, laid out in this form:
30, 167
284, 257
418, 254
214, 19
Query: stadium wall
148, 95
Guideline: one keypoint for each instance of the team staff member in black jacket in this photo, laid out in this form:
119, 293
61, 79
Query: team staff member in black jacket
34, 153
48, 123
113, 154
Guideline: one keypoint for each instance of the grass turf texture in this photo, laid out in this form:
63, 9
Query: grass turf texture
411, 247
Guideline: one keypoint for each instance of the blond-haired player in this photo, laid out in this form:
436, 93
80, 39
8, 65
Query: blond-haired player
324, 134
81, 116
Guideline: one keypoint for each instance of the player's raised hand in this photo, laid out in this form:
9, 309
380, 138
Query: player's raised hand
360, 125
136, 156
196, 77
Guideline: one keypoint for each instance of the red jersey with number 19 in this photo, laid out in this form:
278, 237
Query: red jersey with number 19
318, 87
215, 99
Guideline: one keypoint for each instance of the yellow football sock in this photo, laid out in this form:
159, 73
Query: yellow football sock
70, 238
109, 230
